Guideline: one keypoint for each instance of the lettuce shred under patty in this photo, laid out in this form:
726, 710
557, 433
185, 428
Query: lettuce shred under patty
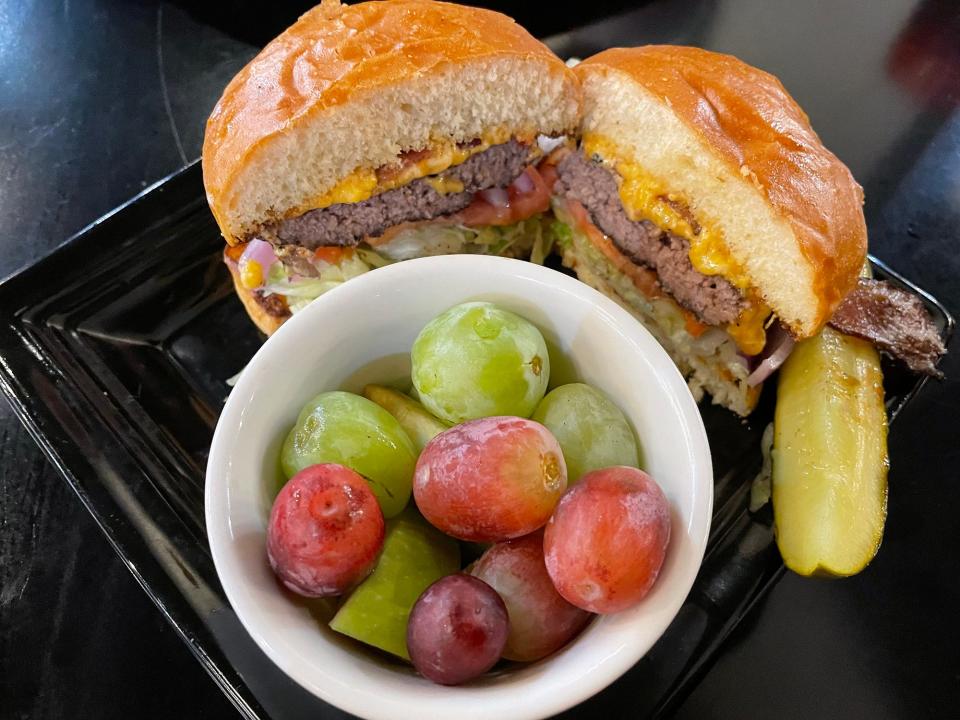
300, 291
531, 239
526, 239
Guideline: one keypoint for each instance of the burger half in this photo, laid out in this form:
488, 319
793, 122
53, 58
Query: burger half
701, 199
377, 132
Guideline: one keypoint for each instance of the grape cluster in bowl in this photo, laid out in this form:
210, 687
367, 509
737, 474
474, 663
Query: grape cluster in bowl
544, 487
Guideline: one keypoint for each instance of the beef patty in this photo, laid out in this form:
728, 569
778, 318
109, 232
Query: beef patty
895, 321
713, 299
348, 223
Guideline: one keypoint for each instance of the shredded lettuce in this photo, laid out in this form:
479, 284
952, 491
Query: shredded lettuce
372, 259
531, 239
300, 292
517, 240
427, 240
544, 242
562, 234
276, 274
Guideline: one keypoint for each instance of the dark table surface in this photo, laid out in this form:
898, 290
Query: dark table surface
99, 98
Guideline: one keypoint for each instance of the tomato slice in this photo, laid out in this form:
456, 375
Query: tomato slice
693, 326
332, 254
548, 171
480, 212
527, 203
644, 279
581, 218
528, 195
234, 252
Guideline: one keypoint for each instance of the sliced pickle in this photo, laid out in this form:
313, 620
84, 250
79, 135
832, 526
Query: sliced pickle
830, 456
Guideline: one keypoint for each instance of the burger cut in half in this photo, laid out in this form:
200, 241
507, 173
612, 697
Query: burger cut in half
701, 200
377, 132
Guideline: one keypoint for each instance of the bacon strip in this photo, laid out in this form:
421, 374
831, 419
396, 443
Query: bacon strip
895, 321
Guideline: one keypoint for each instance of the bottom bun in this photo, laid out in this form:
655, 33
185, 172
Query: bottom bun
265, 321
709, 361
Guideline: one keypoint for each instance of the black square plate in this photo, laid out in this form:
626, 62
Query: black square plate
114, 351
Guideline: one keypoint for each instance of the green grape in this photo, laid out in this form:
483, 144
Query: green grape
414, 556
591, 430
339, 427
476, 360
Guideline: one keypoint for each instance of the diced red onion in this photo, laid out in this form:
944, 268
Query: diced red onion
498, 197
549, 144
524, 183
262, 252
779, 345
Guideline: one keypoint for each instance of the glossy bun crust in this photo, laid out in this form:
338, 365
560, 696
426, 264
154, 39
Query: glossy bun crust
748, 121
406, 70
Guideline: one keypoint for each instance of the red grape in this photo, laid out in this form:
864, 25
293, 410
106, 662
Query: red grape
457, 630
325, 531
541, 621
490, 479
606, 542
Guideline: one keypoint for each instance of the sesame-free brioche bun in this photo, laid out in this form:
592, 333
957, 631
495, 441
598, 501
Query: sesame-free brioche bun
728, 139
353, 86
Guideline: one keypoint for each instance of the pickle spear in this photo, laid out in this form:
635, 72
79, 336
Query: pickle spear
830, 456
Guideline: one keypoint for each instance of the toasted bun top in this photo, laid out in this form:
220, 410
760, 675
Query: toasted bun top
350, 86
757, 145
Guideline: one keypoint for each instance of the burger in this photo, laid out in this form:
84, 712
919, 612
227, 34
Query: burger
685, 184
377, 132
701, 199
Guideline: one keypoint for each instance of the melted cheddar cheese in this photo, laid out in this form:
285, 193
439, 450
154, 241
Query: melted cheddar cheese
645, 198
363, 183
355, 187
445, 185
251, 274
749, 331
